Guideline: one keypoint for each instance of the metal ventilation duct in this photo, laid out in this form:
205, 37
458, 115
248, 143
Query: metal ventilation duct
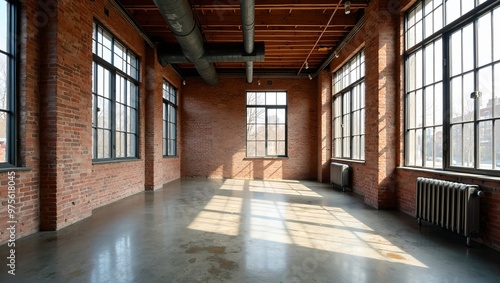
179, 17
247, 8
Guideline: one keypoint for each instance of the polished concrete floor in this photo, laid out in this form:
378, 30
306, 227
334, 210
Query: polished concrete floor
211, 230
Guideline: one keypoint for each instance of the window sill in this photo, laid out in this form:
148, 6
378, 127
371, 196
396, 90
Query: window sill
170, 157
15, 169
348, 160
452, 173
266, 158
98, 162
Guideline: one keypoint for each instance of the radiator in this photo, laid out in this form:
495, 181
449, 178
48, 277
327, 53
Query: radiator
339, 175
453, 206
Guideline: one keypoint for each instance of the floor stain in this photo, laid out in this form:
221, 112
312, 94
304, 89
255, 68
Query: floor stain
212, 249
192, 260
395, 256
224, 263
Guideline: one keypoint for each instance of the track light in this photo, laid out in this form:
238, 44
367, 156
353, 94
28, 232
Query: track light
307, 65
183, 82
347, 7
336, 54
258, 82
310, 77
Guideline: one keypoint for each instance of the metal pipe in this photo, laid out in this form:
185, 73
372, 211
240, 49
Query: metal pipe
247, 8
179, 17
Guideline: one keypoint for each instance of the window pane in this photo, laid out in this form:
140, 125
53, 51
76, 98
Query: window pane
3, 137
468, 48
456, 145
271, 148
281, 148
270, 98
496, 90
497, 145
411, 148
261, 98
131, 145
4, 75
496, 34
468, 103
3, 25
486, 145
251, 148
271, 132
452, 10
484, 39
271, 116
261, 148
438, 90
251, 98
429, 106
120, 144
468, 145
429, 147
438, 57
456, 100
281, 98
438, 148
419, 147
456, 53
280, 116
486, 97
281, 132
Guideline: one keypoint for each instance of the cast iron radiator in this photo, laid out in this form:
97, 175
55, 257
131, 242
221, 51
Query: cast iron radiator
339, 175
453, 206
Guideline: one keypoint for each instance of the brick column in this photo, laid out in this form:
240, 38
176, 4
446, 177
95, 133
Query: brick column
381, 103
324, 125
65, 114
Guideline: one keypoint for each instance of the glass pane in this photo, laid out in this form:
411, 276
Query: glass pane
418, 148
411, 75
468, 48
261, 132
280, 148
484, 40
165, 147
496, 91
120, 144
456, 100
338, 148
3, 137
486, 145
468, 103
271, 132
4, 73
438, 90
411, 148
165, 132
468, 145
429, 29
271, 98
452, 10
132, 95
251, 148
486, 101
281, 98
261, 98
281, 132
456, 53
497, 144
429, 106
281, 116
411, 107
261, 115
131, 145
271, 116
3, 25
438, 18
106, 51
346, 150
429, 64
438, 57
418, 72
429, 147
438, 147
271, 148
496, 34
362, 145
362, 122
456, 145
251, 132
419, 109
261, 148
251, 115
251, 96
467, 5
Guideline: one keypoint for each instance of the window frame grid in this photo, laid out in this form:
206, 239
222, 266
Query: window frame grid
341, 90
131, 105
11, 87
470, 17
266, 125
171, 91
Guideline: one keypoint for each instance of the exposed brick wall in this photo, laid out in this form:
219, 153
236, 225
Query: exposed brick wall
378, 37
214, 130
324, 125
159, 170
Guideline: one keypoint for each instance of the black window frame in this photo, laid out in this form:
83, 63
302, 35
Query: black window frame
170, 93
267, 108
131, 104
443, 33
349, 115
10, 110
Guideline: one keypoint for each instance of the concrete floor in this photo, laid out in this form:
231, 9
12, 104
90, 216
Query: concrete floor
207, 230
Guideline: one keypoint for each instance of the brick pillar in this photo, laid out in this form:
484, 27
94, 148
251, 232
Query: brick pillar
381, 93
324, 125
65, 114
154, 116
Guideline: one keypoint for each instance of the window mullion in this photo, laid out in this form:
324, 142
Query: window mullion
112, 115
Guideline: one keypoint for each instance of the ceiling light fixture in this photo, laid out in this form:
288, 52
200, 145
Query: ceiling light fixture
307, 65
183, 82
347, 7
336, 54
258, 82
310, 77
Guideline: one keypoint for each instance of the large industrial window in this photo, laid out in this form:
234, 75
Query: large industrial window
115, 72
453, 85
7, 84
169, 120
267, 124
349, 109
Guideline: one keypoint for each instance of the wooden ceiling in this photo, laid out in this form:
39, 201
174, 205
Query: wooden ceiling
293, 31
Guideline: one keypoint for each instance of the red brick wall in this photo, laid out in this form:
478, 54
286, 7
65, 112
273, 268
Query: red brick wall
159, 169
324, 138
214, 126
57, 183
